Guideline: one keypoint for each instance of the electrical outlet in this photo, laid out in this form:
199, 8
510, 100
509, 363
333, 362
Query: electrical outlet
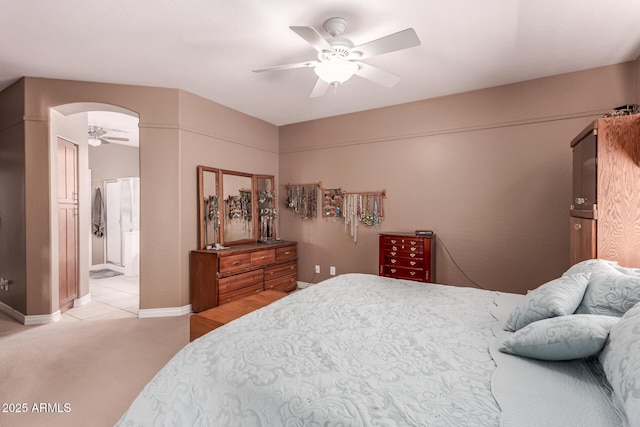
317, 268
332, 270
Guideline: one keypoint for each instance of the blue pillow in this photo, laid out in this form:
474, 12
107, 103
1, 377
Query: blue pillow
561, 338
558, 297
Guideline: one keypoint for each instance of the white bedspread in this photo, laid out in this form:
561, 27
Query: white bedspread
355, 350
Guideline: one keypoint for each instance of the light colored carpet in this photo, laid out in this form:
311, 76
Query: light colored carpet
92, 368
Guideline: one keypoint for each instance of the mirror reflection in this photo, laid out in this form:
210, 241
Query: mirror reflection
267, 214
237, 223
208, 206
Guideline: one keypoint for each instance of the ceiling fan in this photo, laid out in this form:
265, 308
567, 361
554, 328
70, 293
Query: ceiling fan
97, 136
339, 59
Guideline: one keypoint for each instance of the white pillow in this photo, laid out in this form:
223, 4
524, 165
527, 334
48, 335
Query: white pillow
561, 338
612, 289
558, 297
620, 361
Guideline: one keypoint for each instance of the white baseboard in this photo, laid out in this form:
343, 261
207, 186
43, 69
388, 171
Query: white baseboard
79, 302
164, 312
302, 285
38, 319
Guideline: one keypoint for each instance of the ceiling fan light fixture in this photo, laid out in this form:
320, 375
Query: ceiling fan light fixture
336, 72
94, 142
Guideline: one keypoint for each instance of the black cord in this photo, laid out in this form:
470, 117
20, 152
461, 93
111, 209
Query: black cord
456, 264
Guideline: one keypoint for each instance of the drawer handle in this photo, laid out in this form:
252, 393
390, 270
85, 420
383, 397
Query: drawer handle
287, 253
413, 249
228, 300
577, 226
395, 248
236, 262
393, 253
271, 287
412, 255
394, 241
413, 243
413, 273
412, 263
258, 291
228, 285
292, 267
263, 257
393, 261
393, 270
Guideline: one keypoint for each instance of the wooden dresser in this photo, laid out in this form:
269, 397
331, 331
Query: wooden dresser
220, 277
405, 256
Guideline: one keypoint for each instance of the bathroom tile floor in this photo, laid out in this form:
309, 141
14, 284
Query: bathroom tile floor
111, 298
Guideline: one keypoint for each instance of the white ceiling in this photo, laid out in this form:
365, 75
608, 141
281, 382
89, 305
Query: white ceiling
210, 47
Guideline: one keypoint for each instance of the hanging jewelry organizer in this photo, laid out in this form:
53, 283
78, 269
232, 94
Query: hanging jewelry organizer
362, 207
332, 203
303, 199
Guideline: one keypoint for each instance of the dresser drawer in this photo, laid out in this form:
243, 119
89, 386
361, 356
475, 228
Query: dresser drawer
280, 270
406, 273
234, 262
239, 281
402, 240
288, 252
392, 261
240, 293
267, 256
404, 250
285, 283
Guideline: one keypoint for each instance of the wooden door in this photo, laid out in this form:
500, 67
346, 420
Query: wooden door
582, 240
67, 223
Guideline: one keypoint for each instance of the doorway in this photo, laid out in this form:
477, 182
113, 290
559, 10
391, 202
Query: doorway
107, 141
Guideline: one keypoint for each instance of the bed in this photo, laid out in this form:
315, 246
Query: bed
364, 350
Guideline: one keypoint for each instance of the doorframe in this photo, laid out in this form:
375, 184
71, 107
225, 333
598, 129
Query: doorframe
79, 132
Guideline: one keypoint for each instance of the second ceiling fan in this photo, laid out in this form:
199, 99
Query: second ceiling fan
338, 58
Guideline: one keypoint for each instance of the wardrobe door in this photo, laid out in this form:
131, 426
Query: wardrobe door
582, 243
67, 223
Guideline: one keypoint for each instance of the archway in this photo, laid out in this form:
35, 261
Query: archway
72, 121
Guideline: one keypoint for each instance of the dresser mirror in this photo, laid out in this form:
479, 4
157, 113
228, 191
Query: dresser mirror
235, 208
267, 210
237, 197
208, 207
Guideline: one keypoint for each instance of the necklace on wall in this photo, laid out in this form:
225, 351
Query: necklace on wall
366, 208
303, 199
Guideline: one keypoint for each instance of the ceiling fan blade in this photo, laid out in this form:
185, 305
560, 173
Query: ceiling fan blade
288, 66
319, 89
401, 40
377, 75
313, 37
104, 141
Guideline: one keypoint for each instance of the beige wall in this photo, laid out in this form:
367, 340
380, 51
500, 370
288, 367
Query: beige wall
12, 198
178, 131
488, 171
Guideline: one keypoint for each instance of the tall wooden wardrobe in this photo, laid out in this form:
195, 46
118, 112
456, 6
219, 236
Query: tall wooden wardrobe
67, 223
605, 210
